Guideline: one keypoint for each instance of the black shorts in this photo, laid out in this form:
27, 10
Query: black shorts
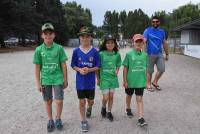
89, 94
138, 91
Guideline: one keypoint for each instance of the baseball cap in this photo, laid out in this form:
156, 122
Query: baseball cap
85, 31
47, 26
137, 37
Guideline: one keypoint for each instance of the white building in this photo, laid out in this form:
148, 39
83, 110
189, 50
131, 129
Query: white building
190, 38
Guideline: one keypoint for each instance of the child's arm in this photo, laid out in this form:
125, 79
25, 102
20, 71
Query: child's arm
98, 76
117, 71
82, 71
125, 83
64, 69
92, 69
37, 77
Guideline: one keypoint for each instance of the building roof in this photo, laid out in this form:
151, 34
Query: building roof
193, 25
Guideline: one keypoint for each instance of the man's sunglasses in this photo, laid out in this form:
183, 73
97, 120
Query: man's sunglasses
155, 21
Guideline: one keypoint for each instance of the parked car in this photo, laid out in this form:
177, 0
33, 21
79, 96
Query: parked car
12, 41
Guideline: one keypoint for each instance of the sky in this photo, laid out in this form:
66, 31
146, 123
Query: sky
99, 7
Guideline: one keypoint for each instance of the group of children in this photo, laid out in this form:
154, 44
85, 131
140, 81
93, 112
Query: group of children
91, 66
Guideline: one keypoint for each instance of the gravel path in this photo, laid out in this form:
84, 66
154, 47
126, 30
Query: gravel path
174, 110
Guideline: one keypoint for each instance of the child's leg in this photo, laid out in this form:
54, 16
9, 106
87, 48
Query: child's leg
82, 103
90, 103
59, 107
139, 100
105, 99
47, 96
110, 101
140, 110
58, 93
129, 92
128, 101
48, 105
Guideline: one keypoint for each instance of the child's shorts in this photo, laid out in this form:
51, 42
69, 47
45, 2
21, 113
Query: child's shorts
89, 94
47, 92
138, 91
106, 91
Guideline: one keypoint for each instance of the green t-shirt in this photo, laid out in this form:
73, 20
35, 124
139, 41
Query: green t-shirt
110, 61
136, 64
50, 59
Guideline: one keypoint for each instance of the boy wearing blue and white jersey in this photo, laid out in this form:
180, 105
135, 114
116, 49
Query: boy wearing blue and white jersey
155, 39
85, 61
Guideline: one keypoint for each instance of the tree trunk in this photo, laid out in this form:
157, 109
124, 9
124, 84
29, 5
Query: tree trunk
2, 42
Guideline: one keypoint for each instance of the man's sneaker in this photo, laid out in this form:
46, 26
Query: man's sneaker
129, 113
50, 126
110, 116
141, 122
89, 112
84, 126
59, 124
103, 112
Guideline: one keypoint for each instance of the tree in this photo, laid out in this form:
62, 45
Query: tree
76, 17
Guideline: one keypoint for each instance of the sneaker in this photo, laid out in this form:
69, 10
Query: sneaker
110, 116
141, 122
50, 126
89, 112
59, 124
129, 113
84, 126
103, 112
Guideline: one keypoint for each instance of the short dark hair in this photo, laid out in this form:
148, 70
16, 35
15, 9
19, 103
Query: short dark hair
155, 17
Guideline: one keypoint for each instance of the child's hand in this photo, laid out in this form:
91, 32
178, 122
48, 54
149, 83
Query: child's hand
39, 87
117, 71
98, 82
82, 71
86, 70
65, 84
125, 84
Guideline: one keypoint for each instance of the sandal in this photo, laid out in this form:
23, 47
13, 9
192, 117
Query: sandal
156, 86
150, 89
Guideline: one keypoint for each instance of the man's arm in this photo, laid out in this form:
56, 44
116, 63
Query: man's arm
166, 49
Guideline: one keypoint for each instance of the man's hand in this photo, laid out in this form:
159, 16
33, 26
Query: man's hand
166, 57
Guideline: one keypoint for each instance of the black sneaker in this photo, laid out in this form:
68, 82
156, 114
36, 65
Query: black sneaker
129, 113
89, 112
110, 116
50, 126
103, 112
141, 122
84, 126
59, 124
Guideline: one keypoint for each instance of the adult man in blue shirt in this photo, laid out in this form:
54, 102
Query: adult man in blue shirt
85, 61
156, 41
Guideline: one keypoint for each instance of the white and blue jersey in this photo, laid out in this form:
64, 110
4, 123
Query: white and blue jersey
155, 38
90, 59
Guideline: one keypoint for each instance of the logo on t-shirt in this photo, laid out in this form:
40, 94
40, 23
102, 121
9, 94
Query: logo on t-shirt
91, 59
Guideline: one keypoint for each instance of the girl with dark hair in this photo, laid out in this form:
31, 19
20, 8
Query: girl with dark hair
107, 75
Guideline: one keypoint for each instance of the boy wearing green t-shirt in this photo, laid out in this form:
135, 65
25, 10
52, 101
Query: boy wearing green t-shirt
134, 76
51, 73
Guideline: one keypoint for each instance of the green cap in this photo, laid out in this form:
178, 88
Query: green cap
85, 31
47, 26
